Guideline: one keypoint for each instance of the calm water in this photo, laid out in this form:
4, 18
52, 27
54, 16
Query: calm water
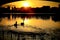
47, 28
31, 24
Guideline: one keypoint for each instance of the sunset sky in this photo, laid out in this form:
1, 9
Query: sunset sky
32, 3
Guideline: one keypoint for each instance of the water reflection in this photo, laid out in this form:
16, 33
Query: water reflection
31, 24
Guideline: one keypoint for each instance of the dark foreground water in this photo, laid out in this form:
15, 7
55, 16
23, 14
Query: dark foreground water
43, 35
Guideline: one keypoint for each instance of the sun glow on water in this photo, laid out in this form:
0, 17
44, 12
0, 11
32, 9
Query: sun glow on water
26, 21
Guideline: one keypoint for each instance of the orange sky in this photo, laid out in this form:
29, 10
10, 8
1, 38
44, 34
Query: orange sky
35, 3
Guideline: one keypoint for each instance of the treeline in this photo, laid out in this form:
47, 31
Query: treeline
44, 9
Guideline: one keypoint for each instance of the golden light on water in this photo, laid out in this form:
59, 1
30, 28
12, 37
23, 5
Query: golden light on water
38, 23
26, 20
